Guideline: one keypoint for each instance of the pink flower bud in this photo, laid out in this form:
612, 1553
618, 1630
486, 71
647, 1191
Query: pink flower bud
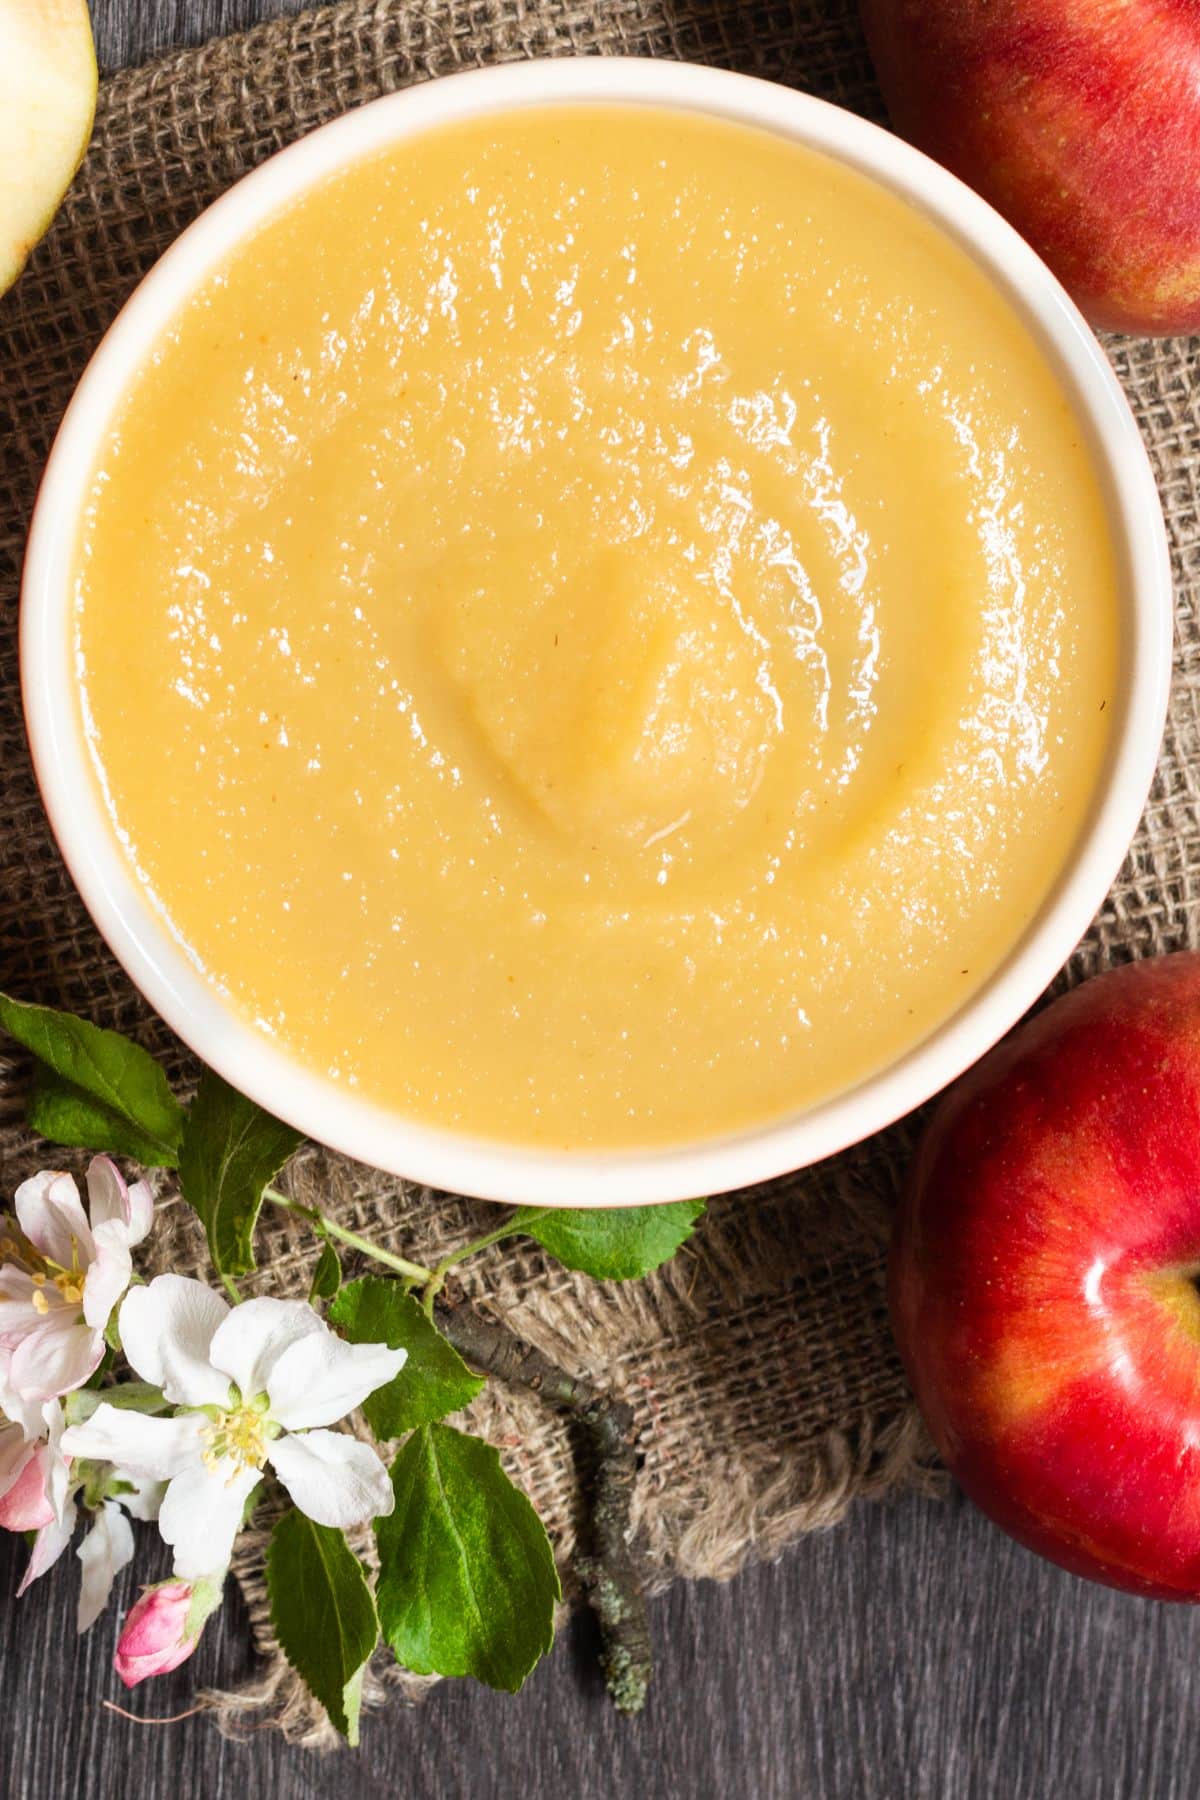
155, 1638
26, 1506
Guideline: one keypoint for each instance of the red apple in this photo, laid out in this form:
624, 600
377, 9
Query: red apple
1043, 1280
1079, 120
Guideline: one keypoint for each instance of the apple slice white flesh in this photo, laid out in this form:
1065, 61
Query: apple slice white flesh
47, 102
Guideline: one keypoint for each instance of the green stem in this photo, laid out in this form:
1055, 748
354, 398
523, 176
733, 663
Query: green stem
430, 1281
231, 1288
329, 1228
437, 1279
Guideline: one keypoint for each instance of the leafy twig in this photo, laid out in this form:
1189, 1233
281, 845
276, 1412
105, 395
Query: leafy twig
98, 1090
609, 1574
414, 1273
515, 1223
430, 1281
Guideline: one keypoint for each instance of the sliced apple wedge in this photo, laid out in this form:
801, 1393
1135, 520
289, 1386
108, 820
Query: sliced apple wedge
47, 103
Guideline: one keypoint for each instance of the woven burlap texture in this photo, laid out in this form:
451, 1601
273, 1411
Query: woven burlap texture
766, 1386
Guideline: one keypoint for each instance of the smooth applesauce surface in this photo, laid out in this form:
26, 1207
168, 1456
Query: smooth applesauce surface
594, 627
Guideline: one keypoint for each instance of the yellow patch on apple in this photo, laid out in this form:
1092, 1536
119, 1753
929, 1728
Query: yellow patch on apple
47, 103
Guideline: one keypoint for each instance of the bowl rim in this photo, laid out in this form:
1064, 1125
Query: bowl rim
512, 1172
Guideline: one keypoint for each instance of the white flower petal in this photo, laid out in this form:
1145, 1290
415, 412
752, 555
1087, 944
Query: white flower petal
58, 1355
112, 1201
332, 1477
58, 1480
15, 1452
108, 1196
18, 1314
146, 1498
108, 1276
166, 1330
48, 1546
251, 1339
155, 1448
106, 1549
321, 1378
50, 1213
25, 1413
141, 1211
201, 1515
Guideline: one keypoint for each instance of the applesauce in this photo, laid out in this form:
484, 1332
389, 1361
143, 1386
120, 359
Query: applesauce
594, 627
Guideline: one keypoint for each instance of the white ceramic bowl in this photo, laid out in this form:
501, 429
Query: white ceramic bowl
590, 1178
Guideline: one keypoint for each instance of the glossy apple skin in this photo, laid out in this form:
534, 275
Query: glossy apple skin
1079, 120
1041, 1280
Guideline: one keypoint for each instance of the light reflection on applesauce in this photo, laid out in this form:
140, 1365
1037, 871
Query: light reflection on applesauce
619, 648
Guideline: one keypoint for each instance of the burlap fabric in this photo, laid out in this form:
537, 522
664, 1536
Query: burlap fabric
768, 1391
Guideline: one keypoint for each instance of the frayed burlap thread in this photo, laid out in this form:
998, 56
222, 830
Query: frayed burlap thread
765, 1383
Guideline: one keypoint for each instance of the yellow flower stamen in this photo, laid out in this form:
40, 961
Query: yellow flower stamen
43, 1271
238, 1435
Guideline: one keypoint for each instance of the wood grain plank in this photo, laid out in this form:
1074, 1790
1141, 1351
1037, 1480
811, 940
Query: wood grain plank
912, 1654
129, 31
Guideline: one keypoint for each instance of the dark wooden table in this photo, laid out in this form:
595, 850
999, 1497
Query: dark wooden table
911, 1653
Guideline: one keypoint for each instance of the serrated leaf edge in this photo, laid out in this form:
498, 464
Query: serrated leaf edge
370, 1407
546, 1642
108, 1096
351, 1717
243, 1260
699, 1207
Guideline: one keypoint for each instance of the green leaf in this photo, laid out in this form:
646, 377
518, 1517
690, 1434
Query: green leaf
327, 1276
66, 1115
135, 1396
231, 1149
95, 1088
323, 1614
616, 1243
433, 1382
467, 1583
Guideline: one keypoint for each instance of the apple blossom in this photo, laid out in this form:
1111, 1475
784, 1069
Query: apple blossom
22, 1474
252, 1383
43, 1500
63, 1274
162, 1628
58, 1523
